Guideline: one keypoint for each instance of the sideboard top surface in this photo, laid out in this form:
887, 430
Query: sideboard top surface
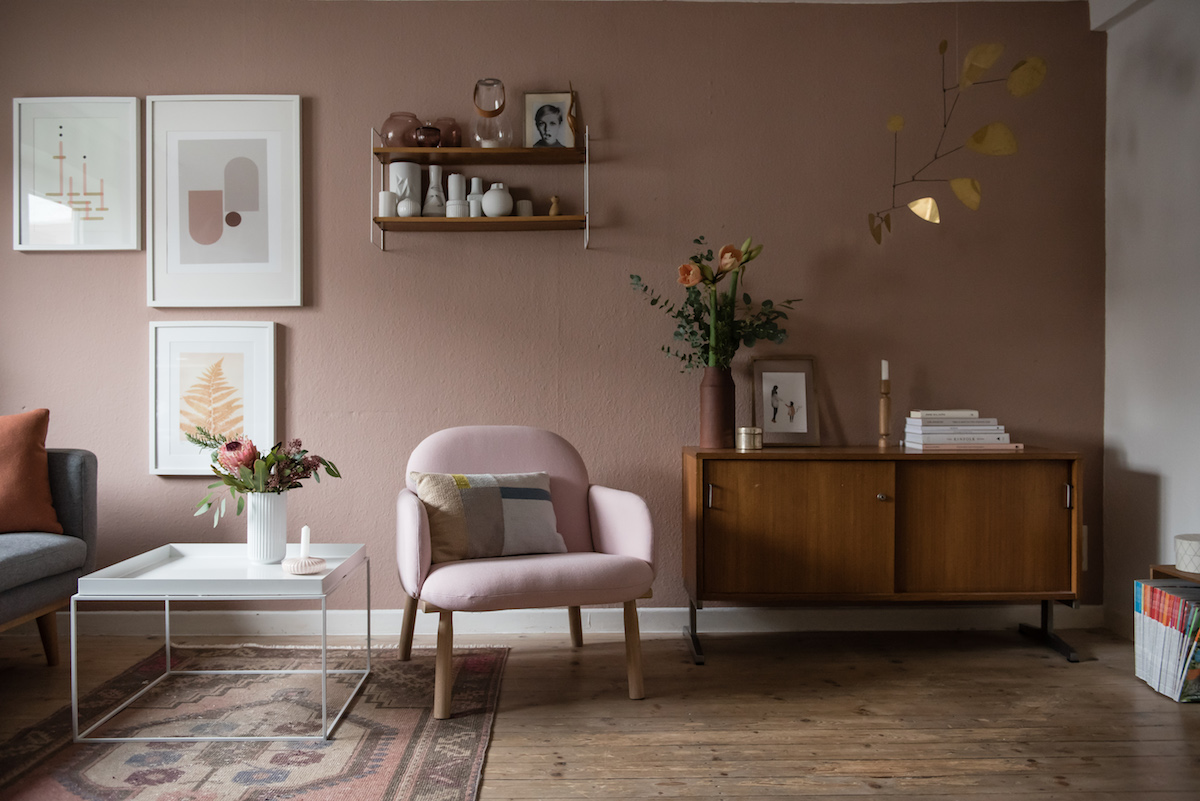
872, 452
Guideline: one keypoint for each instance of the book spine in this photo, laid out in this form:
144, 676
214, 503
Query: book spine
965, 446
942, 439
915, 427
934, 414
938, 422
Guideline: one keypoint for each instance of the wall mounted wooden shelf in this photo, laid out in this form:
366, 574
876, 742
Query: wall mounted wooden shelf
560, 223
482, 155
381, 157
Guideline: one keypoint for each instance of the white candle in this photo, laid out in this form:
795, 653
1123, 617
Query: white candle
884, 376
305, 533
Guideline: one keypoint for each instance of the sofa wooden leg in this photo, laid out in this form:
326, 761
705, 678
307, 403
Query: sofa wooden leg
48, 628
576, 621
633, 652
443, 676
406, 628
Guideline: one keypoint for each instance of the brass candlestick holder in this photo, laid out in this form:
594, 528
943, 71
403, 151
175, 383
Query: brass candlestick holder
885, 411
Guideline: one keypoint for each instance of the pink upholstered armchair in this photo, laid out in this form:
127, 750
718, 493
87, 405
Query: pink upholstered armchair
608, 536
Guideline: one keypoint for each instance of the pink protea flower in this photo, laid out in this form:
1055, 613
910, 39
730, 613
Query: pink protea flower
237, 452
730, 257
689, 274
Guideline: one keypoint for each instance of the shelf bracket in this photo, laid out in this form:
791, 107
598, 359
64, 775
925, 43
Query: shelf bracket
587, 166
1046, 636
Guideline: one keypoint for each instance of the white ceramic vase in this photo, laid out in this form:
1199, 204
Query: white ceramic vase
266, 527
497, 202
435, 198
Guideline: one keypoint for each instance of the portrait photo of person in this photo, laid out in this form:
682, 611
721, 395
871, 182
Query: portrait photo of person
546, 123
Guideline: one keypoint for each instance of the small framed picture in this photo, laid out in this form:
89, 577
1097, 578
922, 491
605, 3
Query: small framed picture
546, 116
223, 192
76, 173
785, 401
218, 375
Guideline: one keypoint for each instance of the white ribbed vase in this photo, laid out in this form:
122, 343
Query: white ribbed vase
266, 527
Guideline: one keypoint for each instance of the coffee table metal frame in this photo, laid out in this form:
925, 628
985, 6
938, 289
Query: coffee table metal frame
353, 554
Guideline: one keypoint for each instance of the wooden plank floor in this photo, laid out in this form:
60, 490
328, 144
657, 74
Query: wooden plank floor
974, 715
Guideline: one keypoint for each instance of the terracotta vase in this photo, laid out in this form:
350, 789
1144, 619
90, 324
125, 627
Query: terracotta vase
717, 408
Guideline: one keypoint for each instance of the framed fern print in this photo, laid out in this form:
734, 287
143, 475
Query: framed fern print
216, 375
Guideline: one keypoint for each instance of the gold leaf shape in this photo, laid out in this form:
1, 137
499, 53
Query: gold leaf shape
887, 220
993, 139
1026, 76
942, 47
895, 123
977, 62
967, 190
926, 208
876, 232
213, 403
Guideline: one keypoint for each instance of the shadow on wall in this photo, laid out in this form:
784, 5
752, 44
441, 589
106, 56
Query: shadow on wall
1132, 511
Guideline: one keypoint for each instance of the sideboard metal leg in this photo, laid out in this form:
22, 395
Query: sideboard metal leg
1046, 636
689, 631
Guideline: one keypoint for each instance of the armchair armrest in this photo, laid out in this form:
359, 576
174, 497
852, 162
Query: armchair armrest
413, 551
621, 523
73, 489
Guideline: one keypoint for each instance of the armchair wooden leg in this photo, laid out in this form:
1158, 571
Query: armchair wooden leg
633, 652
443, 679
406, 628
48, 628
576, 626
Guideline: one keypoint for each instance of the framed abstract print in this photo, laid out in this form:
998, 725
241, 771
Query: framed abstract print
223, 200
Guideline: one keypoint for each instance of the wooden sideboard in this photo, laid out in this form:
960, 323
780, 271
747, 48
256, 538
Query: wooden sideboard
800, 525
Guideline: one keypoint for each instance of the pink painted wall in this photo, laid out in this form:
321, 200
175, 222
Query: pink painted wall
725, 120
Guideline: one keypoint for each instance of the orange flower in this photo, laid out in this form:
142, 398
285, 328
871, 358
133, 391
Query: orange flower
689, 274
730, 258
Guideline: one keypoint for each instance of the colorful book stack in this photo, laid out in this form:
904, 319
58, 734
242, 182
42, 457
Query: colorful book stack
955, 430
1166, 627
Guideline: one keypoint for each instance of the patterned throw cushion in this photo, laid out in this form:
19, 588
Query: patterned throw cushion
481, 515
25, 502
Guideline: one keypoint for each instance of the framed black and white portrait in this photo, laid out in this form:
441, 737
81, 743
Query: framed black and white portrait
546, 120
785, 401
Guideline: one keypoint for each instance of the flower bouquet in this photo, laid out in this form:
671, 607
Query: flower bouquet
713, 323
239, 466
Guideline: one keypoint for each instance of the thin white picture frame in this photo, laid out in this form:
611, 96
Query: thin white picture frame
182, 356
61, 201
559, 134
223, 201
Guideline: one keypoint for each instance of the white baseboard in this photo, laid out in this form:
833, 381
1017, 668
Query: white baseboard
385, 623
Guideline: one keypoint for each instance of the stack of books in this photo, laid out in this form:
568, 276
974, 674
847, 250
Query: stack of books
1166, 627
955, 430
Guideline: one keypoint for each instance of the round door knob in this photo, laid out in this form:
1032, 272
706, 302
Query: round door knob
881, 497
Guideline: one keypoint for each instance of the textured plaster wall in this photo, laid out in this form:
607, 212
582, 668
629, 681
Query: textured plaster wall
1152, 462
714, 119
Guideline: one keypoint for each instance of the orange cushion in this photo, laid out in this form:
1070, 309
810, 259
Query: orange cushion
25, 502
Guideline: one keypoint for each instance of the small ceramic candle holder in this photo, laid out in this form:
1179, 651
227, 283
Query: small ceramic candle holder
304, 565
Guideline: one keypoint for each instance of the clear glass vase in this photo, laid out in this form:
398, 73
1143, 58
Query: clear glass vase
491, 128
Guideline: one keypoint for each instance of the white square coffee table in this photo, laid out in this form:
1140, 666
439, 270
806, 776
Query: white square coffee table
190, 572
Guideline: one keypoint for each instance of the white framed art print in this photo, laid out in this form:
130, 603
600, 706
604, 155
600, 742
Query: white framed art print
76, 173
223, 199
217, 375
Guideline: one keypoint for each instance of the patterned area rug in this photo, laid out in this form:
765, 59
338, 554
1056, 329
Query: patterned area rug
387, 746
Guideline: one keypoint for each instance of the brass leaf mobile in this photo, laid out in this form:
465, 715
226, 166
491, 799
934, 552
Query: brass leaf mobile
993, 139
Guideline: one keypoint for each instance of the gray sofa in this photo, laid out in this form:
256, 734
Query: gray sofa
38, 571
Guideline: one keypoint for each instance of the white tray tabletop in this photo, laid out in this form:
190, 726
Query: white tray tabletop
207, 569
